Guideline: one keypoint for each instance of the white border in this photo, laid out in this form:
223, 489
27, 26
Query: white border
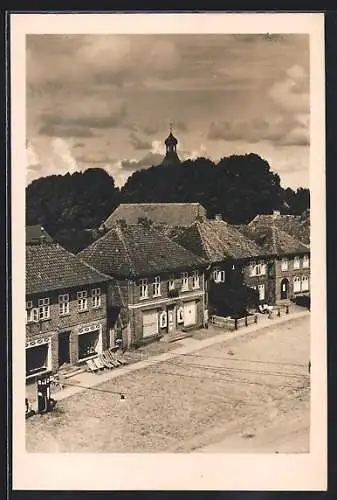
172, 471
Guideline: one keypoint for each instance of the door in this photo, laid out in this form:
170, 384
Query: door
171, 320
150, 323
190, 313
64, 351
284, 289
261, 290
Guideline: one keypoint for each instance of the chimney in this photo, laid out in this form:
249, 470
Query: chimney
218, 217
276, 213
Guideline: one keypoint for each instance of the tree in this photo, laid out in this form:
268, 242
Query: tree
67, 205
232, 299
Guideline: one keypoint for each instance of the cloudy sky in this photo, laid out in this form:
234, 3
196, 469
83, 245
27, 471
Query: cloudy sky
107, 101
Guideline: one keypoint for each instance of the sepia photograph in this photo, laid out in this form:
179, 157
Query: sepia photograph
172, 233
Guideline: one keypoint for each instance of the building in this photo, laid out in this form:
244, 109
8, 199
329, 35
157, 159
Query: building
66, 309
168, 215
297, 226
230, 253
160, 285
37, 234
288, 260
171, 156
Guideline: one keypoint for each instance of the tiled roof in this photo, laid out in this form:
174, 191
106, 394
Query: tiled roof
274, 241
36, 233
295, 225
217, 240
170, 214
138, 250
51, 267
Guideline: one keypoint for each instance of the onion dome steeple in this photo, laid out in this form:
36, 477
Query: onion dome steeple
171, 156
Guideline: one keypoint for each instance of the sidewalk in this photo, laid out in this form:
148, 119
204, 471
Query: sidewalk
188, 345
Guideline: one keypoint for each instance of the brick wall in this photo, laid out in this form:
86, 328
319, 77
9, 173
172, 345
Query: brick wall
289, 274
135, 335
71, 322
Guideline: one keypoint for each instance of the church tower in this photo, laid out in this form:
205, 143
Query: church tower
171, 157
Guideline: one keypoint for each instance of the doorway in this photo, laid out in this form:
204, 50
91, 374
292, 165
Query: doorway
64, 348
284, 289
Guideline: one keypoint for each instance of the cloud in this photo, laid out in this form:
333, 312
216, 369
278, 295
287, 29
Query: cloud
180, 125
291, 94
93, 114
78, 145
149, 160
138, 143
286, 130
95, 157
64, 131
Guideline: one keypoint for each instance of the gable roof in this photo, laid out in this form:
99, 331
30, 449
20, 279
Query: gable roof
217, 240
137, 250
295, 225
274, 241
170, 214
51, 267
36, 234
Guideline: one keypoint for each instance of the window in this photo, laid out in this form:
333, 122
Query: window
218, 276
82, 300
180, 315
44, 309
306, 261
261, 291
258, 269
296, 262
64, 304
37, 359
143, 289
284, 265
32, 313
297, 284
156, 287
305, 283
163, 319
171, 283
185, 281
196, 279
89, 344
96, 297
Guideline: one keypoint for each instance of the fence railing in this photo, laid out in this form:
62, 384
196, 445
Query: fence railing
233, 323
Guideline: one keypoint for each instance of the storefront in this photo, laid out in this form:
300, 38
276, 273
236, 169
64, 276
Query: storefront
89, 342
38, 357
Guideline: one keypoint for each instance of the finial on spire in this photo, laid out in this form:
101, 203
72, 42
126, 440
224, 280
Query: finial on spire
171, 127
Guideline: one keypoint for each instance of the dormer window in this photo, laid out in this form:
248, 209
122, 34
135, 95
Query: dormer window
306, 261
196, 279
185, 282
171, 284
296, 262
144, 291
258, 268
219, 276
284, 265
156, 287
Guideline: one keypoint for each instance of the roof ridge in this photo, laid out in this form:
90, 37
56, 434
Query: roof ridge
120, 235
170, 240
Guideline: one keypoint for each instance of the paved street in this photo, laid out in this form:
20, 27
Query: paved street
249, 393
